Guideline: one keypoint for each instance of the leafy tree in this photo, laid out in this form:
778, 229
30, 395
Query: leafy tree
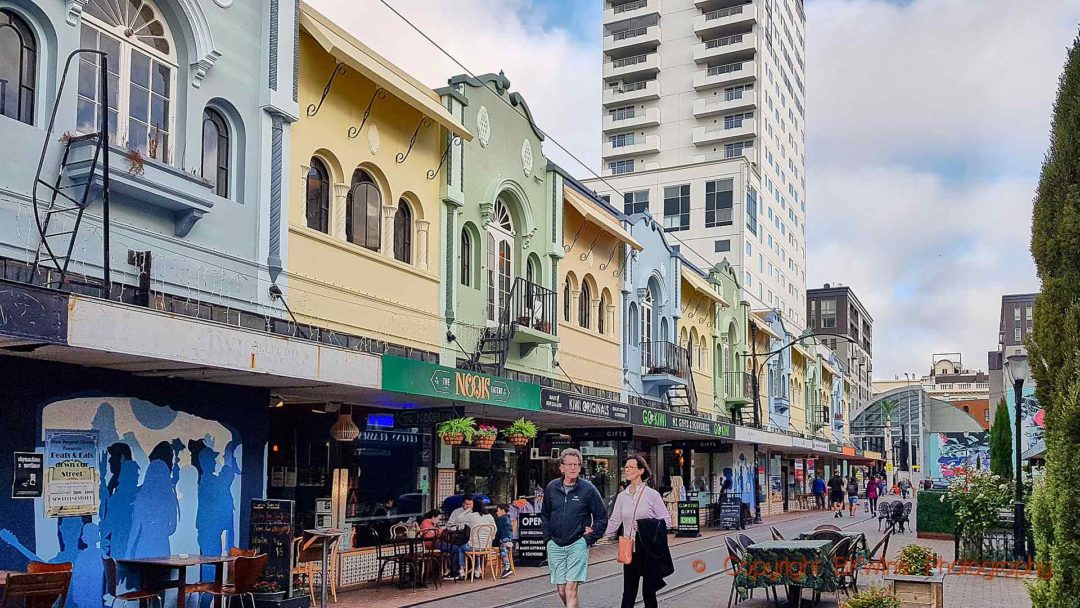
1001, 442
1055, 344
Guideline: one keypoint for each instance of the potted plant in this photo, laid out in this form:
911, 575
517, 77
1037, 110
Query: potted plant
457, 430
520, 432
485, 436
918, 579
876, 596
267, 590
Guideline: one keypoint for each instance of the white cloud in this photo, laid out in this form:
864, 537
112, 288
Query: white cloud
558, 74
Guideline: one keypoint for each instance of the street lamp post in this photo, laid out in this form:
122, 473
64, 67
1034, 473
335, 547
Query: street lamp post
1017, 366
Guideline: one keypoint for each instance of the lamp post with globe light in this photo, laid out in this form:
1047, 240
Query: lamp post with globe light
1017, 368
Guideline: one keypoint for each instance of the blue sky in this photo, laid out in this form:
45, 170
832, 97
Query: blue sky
927, 122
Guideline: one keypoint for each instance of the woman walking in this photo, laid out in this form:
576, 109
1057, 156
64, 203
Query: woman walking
872, 494
852, 495
643, 550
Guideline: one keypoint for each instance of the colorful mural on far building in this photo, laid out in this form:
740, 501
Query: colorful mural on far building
1031, 413
951, 453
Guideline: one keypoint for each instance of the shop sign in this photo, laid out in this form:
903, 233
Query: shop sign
29, 478
687, 524
835, 448
532, 550
71, 478
414, 377
427, 417
763, 437
810, 462
368, 437
660, 419
583, 405
799, 442
623, 433
821, 446
848, 451
702, 445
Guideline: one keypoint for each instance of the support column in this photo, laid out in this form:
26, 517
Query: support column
338, 210
386, 243
422, 229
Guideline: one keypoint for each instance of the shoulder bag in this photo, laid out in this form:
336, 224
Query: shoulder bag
626, 543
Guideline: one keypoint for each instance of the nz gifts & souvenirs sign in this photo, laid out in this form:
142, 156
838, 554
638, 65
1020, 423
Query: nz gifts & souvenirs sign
413, 377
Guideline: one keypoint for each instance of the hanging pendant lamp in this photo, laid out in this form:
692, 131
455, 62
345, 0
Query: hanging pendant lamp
344, 429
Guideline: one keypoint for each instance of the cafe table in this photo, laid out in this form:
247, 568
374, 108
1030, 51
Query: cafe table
180, 563
862, 551
796, 564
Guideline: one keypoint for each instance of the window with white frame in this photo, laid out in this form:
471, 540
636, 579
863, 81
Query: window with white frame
636, 202
142, 76
621, 166
621, 140
622, 113
828, 313
677, 208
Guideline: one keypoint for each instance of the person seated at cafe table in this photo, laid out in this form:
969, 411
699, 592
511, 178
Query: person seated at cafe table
430, 521
460, 520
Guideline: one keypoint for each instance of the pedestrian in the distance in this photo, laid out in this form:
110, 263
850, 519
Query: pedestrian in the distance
836, 495
872, 488
574, 518
818, 490
644, 518
852, 495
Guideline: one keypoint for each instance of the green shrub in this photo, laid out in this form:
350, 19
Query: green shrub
876, 596
934, 514
977, 498
916, 560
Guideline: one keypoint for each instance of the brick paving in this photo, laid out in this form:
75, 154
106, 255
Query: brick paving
530, 588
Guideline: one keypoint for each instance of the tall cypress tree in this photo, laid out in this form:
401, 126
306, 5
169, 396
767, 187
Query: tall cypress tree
1001, 443
1055, 344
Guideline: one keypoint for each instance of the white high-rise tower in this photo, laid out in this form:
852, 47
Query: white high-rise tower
704, 128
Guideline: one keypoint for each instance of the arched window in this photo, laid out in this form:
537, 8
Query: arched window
566, 300
500, 260
403, 233
601, 313
18, 68
585, 306
466, 258
647, 327
362, 203
215, 151
142, 75
318, 196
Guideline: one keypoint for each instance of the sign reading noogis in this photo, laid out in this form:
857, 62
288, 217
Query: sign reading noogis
427, 379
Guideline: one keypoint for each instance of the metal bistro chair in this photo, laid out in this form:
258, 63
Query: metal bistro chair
248, 571
839, 551
744, 540
904, 521
367, 536
736, 555
429, 559
38, 589
878, 554
827, 527
896, 514
883, 510
776, 535
142, 596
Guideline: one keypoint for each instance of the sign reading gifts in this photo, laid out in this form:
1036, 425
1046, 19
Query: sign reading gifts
414, 377
71, 474
661, 419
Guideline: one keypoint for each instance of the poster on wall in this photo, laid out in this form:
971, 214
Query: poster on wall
29, 478
71, 477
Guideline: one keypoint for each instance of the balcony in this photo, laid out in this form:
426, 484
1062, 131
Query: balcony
738, 388
718, 133
646, 64
632, 119
726, 48
631, 92
725, 20
664, 364
638, 168
721, 104
648, 144
532, 310
630, 10
725, 75
636, 39
709, 157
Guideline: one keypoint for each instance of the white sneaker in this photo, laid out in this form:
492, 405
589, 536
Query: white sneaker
506, 573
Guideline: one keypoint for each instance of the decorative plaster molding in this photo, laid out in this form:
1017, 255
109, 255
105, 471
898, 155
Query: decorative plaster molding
527, 237
205, 54
374, 140
483, 126
185, 221
75, 9
223, 3
526, 158
487, 209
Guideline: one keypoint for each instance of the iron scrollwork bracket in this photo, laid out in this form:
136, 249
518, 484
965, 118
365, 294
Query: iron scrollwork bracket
401, 156
605, 265
454, 141
619, 271
313, 109
567, 248
379, 93
585, 255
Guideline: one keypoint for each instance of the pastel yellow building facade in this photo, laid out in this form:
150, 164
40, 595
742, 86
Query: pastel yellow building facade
698, 333
590, 329
364, 228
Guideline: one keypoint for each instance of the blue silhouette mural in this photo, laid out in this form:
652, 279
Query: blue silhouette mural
155, 499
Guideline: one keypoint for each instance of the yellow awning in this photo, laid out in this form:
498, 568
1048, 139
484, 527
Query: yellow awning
763, 325
350, 51
704, 286
593, 213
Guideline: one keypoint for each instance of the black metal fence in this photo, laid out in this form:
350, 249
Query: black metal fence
662, 357
997, 544
532, 306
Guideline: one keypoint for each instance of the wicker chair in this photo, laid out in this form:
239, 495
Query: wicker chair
736, 555
744, 540
481, 541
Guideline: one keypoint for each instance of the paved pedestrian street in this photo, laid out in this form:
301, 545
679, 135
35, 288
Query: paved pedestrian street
701, 576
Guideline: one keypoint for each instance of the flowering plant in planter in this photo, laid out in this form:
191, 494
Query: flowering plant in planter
485, 436
520, 432
457, 430
916, 560
876, 596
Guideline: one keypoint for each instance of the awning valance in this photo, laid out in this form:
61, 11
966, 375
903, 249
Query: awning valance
593, 213
697, 282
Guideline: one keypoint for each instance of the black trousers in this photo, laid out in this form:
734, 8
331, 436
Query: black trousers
631, 574
873, 505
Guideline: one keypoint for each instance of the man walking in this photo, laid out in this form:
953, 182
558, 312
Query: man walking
818, 488
836, 494
574, 518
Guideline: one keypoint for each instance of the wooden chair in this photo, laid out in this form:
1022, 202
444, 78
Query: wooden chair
237, 552
38, 589
248, 571
429, 559
301, 571
142, 596
44, 568
481, 540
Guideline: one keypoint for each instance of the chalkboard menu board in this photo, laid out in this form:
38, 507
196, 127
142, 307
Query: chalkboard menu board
271, 532
731, 513
687, 515
532, 550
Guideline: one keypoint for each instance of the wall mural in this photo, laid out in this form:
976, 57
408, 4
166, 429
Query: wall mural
170, 483
951, 453
1031, 414
743, 482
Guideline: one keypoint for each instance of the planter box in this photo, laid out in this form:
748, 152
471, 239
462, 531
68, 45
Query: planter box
187, 197
918, 591
299, 600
